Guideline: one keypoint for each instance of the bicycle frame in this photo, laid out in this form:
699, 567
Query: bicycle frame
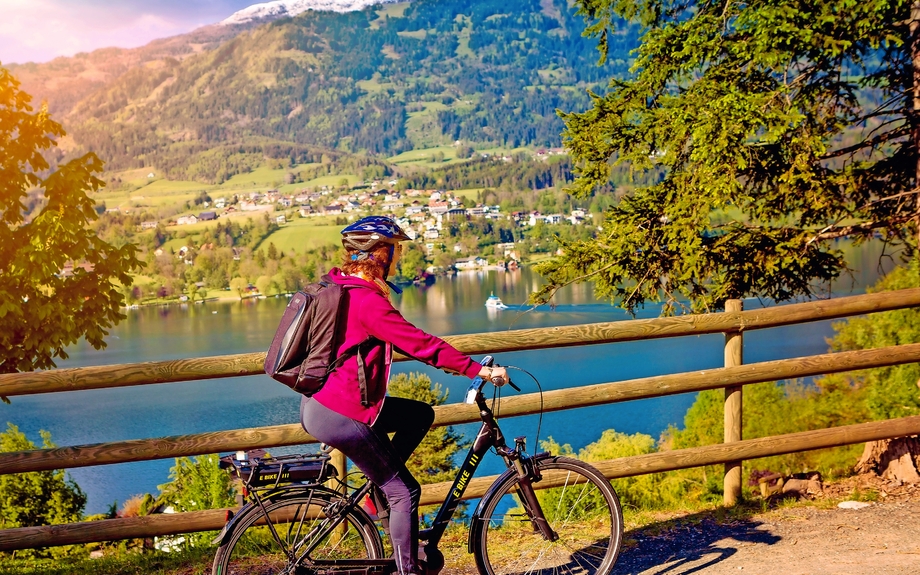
489, 436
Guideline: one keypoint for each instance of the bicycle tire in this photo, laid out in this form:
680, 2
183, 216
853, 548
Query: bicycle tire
250, 548
581, 507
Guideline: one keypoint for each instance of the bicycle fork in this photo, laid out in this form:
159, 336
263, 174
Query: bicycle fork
527, 473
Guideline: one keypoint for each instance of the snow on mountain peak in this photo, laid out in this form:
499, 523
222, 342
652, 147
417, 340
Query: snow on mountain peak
284, 8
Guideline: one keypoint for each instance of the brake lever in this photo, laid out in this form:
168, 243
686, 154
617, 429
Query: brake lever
497, 381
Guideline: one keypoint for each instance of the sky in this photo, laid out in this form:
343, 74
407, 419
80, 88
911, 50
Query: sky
41, 30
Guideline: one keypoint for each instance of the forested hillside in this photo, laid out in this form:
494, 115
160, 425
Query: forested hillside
414, 75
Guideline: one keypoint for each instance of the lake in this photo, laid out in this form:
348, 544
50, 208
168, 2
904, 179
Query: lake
452, 305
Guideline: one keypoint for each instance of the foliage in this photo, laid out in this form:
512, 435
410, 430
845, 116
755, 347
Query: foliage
893, 391
196, 485
433, 459
412, 264
37, 498
651, 491
43, 229
777, 127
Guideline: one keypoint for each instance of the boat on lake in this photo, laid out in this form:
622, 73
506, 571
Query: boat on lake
494, 302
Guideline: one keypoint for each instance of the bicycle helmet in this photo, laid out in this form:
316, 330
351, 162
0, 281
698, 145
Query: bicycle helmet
364, 234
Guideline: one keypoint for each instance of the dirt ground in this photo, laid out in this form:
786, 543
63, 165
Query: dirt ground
813, 538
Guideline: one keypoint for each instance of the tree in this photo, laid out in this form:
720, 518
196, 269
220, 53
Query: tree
776, 126
58, 280
37, 498
197, 485
266, 286
433, 460
412, 264
238, 285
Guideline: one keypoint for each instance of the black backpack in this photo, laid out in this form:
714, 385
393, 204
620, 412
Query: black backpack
301, 355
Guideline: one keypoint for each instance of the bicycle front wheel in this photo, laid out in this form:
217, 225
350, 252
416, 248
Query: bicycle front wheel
580, 506
299, 536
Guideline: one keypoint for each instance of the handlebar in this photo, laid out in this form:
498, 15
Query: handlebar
476, 387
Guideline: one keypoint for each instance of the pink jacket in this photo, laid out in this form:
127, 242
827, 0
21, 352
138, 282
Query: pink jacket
370, 313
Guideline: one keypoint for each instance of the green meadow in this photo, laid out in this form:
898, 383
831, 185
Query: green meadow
302, 234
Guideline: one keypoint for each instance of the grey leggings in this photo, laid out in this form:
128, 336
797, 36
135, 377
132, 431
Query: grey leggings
381, 459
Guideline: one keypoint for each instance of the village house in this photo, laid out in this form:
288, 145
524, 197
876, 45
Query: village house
207, 216
470, 263
186, 220
68, 269
435, 208
456, 213
506, 248
148, 225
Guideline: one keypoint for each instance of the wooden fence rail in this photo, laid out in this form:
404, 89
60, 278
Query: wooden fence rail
174, 524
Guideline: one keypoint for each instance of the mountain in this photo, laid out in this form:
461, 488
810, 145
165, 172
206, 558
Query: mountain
285, 8
374, 82
64, 81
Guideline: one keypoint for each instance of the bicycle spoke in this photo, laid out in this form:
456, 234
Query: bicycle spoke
581, 508
304, 535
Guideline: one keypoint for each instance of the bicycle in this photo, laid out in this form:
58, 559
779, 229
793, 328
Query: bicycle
292, 523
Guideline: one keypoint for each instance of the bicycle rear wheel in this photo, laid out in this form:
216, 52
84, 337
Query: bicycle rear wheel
303, 535
581, 507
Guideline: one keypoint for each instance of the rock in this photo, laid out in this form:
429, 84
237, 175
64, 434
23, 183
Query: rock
853, 504
802, 487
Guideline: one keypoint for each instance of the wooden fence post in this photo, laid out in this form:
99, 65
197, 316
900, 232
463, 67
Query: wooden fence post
341, 467
733, 422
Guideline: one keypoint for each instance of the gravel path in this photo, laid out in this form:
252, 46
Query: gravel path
881, 539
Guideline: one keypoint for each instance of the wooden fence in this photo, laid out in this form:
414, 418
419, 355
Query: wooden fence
733, 323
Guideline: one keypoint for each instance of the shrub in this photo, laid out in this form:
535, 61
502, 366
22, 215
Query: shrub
37, 498
197, 485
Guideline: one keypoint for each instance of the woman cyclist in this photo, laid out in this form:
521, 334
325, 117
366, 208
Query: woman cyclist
352, 411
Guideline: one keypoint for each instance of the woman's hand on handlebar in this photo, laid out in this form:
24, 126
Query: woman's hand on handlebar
497, 375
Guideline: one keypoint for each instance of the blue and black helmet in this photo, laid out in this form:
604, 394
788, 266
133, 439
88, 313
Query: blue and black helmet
367, 232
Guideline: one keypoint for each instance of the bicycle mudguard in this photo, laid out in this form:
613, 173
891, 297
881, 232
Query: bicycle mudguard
248, 508
490, 492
